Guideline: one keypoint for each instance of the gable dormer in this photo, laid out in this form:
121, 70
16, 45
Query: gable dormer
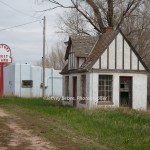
78, 50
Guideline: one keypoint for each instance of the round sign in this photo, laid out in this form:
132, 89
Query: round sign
5, 54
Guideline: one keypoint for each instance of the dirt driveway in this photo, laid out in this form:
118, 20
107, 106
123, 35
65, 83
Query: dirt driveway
14, 137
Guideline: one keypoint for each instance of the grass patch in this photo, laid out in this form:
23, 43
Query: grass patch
70, 128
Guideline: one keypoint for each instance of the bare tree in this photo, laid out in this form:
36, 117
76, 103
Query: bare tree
71, 22
131, 16
54, 58
100, 13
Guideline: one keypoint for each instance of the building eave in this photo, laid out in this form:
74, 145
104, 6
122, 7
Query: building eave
118, 71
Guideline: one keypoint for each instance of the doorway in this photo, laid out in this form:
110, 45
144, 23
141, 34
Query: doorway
126, 91
74, 91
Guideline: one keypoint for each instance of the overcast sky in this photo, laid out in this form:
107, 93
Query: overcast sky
26, 41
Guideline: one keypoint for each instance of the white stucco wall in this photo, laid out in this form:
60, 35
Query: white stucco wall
112, 55
139, 87
19, 72
22, 72
126, 56
9, 80
134, 62
139, 90
104, 60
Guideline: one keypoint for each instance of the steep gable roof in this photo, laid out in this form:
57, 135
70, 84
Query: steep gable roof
93, 48
101, 45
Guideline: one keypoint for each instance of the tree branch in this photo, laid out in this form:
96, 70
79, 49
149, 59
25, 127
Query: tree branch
58, 5
82, 13
129, 6
96, 13
110, 13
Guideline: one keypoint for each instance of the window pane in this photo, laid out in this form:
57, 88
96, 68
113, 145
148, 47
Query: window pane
27, 83
105, 87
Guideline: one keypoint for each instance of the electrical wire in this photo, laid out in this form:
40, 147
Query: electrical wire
19, 25
17, 10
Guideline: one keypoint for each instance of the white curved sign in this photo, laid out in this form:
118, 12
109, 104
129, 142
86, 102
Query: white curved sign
5, 54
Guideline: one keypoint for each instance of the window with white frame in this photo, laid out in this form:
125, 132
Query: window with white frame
105, 88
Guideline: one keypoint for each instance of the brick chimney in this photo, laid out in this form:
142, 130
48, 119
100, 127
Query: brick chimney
107, 29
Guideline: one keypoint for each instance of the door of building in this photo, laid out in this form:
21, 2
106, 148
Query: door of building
126, 91
74, 91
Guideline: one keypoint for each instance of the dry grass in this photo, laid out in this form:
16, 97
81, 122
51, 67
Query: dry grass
73, 129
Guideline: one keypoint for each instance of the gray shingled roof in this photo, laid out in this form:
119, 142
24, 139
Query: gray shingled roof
82, 45
102, 43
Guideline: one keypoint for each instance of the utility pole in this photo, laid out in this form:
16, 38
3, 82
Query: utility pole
44, 29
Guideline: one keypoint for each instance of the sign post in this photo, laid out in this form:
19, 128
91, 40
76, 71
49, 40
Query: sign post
5, 57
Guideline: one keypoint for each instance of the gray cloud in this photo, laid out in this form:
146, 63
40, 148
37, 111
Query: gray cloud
26, 41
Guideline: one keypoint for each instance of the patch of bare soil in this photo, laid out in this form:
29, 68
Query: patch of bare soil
14, 137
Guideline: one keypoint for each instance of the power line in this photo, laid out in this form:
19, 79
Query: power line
19, 25
17, 10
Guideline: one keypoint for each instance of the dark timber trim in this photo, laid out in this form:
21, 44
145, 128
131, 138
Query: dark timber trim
100, 63
118, 71
138, 65
130, 59
116, 52
123, 53
108, 57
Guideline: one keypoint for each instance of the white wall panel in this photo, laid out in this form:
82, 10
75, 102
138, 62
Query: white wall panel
104, 60
112, 55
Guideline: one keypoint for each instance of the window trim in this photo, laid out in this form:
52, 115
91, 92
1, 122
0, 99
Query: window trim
83, 91
105, 102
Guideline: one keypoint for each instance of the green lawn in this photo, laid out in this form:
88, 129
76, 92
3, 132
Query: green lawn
70, 128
